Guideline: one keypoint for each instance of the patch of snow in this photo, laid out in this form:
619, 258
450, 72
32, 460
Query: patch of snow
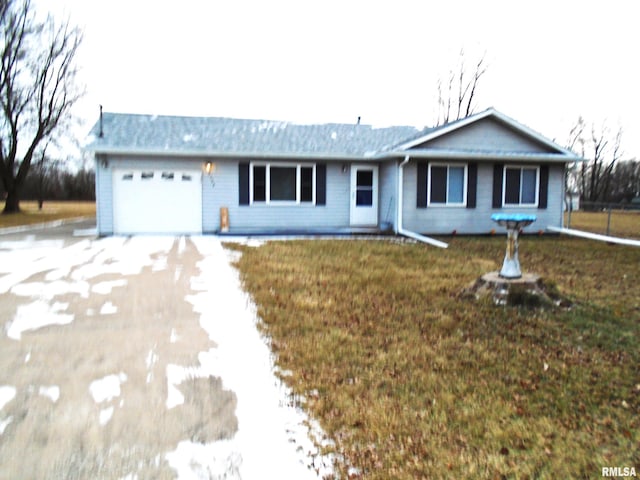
90, 312
5, 423
104, 288
27, 357
182, 245
274, 433
334, 135
129, 476
37, 315
108, 309
189, 137
198, 461
105, 415
173, 337
85, 232
151, 360
106, 388
7, 393
52, 392
176, 374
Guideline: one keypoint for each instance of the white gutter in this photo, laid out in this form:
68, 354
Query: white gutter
399, 229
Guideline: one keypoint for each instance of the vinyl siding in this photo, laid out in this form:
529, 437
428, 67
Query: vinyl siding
387, 206
249, 218
488, 135
444, 220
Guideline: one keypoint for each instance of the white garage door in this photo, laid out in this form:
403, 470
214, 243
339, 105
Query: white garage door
157, 201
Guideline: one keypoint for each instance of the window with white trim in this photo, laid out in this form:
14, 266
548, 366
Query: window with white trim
521, 186
282, 183
447, 184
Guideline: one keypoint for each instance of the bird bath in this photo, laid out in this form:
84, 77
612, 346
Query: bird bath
513, 222
510, 286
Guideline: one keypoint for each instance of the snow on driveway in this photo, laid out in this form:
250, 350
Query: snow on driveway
274, 437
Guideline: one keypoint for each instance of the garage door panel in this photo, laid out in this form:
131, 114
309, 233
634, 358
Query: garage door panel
157, 201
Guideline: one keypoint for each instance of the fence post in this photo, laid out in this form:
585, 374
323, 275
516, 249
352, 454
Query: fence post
609, 219
570, 210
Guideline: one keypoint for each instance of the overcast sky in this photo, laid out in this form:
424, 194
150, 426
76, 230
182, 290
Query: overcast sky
332, 61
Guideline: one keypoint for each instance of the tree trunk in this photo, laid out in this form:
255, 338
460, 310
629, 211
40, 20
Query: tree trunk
12, 203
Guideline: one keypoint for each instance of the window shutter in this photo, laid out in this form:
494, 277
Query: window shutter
544, 186
472, 184
321, 184
422, 185
243, 183
498, 169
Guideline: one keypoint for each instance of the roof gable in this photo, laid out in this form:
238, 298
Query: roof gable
486, 132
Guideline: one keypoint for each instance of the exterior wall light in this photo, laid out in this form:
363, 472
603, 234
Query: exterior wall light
209, 168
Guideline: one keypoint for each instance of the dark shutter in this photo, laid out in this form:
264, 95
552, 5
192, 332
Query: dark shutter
497, 185
243, 183
321, 184
544, 186
422, 185
472, 184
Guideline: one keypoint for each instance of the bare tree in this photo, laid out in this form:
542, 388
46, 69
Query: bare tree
602, 151
457, 93
37, 89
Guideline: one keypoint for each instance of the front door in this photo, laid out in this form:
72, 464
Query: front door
364, 195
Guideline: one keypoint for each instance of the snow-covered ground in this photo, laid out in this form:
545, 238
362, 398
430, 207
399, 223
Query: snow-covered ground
274, 436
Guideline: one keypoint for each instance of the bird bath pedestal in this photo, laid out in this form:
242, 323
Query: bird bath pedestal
510, 286
513, 222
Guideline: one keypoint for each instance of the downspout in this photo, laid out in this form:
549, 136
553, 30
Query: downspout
399, 228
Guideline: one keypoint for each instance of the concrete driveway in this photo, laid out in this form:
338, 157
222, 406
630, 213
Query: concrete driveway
138, 357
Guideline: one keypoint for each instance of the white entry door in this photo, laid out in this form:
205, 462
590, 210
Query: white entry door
364, 195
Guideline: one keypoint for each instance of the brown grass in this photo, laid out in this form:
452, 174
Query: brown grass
50, 211
623, 223
413, 382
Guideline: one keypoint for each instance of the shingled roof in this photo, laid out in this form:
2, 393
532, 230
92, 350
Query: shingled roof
133, 133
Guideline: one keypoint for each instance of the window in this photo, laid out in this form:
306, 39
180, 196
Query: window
146, 175
521, 186
282, 183
127, 176
167, 175
447, 184
186, 177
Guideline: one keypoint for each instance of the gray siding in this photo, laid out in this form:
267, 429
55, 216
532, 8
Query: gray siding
388, 180
489, 135
221, 189
104, 199
333, 215
444, 220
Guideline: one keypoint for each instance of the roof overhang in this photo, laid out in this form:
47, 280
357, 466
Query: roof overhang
231, 155
484, 156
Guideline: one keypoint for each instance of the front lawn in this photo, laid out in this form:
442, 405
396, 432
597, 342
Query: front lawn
30, 214
411, 381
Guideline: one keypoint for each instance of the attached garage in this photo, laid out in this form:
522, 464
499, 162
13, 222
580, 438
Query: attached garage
157, 201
